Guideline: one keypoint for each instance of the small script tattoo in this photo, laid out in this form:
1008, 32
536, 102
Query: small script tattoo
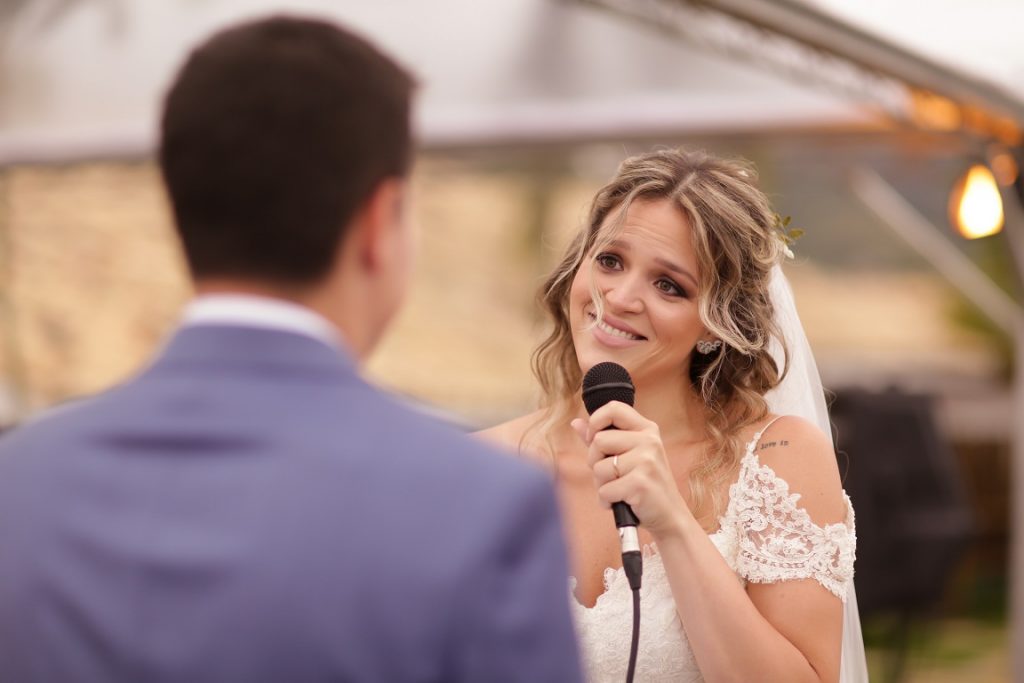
770, 444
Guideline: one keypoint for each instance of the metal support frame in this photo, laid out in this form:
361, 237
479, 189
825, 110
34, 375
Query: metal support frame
830, 52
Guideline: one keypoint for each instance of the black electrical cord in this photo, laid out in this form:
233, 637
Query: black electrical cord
632, 563
635, 644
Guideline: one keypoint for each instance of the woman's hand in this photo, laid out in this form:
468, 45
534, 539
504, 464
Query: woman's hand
640, 476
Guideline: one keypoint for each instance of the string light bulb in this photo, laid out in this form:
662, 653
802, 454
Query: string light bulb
975, 205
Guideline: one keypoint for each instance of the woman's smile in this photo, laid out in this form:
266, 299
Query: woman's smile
613, 334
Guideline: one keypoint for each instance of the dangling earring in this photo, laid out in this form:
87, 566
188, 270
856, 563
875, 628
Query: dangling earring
705, 347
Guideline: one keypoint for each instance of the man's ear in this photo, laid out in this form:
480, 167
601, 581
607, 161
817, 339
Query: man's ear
378, 223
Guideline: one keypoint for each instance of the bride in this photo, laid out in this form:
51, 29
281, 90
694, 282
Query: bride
727, 457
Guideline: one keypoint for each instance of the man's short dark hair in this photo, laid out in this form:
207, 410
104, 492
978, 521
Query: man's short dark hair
273, 135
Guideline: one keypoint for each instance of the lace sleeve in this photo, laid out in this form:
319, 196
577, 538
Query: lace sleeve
778, 541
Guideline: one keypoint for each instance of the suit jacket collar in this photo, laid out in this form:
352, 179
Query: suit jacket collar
248, 310
216, 347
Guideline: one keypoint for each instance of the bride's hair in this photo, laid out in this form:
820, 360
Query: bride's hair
737, 241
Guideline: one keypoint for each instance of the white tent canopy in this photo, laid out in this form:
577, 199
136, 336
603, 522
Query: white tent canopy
85, 78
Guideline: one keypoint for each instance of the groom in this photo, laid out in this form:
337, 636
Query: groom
248, 508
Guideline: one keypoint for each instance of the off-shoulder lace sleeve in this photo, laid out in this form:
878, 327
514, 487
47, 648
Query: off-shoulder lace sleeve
778, 541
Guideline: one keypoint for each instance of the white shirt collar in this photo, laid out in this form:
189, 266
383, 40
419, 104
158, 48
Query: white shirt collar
248, 310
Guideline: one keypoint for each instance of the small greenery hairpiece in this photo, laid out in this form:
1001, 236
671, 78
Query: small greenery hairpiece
787, 235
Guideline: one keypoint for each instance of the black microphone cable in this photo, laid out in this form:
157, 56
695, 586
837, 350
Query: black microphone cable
603, 383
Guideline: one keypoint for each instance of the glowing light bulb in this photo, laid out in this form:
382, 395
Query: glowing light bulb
976, 205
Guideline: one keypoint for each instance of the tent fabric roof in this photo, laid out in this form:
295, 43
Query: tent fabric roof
89, 82
84, 78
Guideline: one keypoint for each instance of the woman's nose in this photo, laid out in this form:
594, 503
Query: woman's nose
624, 294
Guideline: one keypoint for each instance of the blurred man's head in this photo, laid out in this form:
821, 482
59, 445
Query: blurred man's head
283, 141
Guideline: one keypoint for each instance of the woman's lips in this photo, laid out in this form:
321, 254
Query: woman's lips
612, 334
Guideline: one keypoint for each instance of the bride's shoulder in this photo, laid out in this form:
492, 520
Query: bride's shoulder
799, 453
509, 435
793, 433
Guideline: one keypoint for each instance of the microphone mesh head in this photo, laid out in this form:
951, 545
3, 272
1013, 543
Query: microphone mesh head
607, 382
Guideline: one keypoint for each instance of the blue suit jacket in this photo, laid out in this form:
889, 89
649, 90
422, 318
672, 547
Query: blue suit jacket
249, 509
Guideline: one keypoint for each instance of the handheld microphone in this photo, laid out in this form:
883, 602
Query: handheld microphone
603, 383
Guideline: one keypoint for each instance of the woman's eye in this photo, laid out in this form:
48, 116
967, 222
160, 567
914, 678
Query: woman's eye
669, 287
609, 261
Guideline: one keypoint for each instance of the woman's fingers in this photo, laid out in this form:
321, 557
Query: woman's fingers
605, 472
617, 491
621, 416
582, 429
616, 442
613, 467
611, 442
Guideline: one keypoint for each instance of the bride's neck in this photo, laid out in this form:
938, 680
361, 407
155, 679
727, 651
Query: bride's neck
677, 409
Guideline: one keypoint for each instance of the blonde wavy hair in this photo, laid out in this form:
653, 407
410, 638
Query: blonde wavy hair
736, 239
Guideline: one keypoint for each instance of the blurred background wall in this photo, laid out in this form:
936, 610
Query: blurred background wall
527, 107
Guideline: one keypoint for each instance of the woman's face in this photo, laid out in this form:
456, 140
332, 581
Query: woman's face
648, 279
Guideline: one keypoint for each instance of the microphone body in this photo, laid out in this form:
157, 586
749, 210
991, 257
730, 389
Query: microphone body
603, 383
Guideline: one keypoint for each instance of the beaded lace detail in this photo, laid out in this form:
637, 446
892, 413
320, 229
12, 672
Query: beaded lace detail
764, 536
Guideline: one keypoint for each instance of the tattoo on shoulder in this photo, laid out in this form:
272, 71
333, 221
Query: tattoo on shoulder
772, 444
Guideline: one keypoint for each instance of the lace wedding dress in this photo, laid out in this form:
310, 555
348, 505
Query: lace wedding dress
764, 536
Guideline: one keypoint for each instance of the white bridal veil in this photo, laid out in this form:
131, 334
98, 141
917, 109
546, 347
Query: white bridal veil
801, 393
